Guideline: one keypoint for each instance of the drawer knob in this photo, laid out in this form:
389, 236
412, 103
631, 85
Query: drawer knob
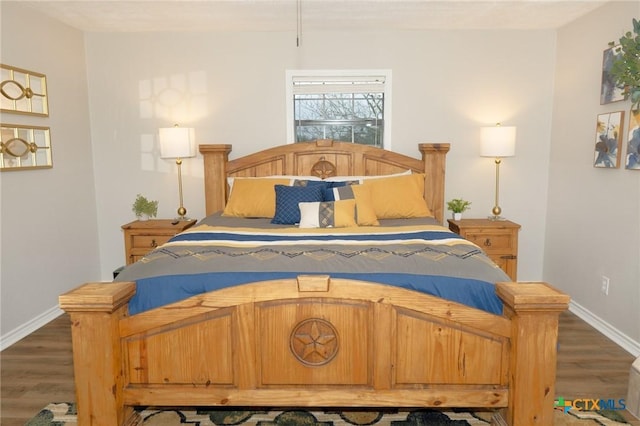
153, 243
487, 242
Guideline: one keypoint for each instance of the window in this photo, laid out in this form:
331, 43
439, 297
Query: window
350, 106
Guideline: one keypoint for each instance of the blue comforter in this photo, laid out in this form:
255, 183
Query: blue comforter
220, 252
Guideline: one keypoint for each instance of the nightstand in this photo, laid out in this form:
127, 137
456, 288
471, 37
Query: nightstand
142, 236
498, 238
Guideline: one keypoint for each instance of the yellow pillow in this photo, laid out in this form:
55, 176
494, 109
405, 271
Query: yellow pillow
399, 197
253, 197
328, 214
365, 213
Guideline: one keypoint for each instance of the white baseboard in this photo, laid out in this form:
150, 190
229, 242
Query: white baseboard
29, 327
624, 341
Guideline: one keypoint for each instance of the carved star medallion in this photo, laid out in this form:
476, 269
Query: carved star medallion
323, 169
314, 341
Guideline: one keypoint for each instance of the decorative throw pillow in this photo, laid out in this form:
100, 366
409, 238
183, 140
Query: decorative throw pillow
289, 178
288, 198
253, 197
328, 214
399, 197
365, 213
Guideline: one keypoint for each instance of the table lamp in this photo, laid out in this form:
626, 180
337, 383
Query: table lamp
177, 142
497, 142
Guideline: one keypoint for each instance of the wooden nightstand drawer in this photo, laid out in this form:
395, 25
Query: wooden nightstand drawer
491, 241
140, 237
149, 242
498, 238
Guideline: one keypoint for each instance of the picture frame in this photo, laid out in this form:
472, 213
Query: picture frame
632, 158
608, 140
609, 90
24, 147
23, 91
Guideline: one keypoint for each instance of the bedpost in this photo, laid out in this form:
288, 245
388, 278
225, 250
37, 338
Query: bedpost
95, 310
434, 158
533, 309
215, 176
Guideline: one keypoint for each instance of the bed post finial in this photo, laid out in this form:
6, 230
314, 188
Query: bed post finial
434, 158
215, 176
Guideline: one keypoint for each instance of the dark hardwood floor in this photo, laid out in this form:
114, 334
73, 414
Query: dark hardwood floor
35, 371
38, 369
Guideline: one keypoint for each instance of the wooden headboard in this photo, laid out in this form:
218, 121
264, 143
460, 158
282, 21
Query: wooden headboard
323, 158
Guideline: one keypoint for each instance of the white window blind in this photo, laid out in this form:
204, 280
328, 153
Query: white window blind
338, 84
342, 105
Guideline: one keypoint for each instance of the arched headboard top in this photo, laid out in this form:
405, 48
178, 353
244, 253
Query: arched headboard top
320, 157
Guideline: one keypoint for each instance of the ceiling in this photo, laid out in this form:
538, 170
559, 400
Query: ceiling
282, 15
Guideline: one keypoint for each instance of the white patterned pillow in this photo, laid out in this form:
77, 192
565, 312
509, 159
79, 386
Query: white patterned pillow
328, 214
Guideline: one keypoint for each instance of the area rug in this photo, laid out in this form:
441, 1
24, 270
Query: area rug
60, 414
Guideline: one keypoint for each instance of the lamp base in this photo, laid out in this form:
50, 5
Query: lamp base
496, 218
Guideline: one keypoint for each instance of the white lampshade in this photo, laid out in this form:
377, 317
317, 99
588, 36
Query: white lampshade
498, 141
177, 142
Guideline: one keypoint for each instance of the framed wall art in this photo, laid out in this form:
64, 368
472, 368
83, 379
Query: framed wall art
632, 160
23, 91
24, 147
608, 142
609, 90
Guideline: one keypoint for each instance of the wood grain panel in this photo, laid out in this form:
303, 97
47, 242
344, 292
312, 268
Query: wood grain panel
279, 340
433, 352
181, 354
436, 396
304, 162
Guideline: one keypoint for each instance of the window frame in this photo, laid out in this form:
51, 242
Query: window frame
291, 75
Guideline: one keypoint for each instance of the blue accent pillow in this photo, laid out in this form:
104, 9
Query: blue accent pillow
304, 182
287, 199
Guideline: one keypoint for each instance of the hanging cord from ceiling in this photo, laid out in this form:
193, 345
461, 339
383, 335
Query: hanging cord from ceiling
298, 22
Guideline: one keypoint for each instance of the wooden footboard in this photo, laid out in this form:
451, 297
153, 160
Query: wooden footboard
314, 341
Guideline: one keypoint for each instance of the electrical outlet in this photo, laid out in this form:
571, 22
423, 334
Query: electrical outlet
605, 286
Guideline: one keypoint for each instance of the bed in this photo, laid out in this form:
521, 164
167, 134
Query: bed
324, 338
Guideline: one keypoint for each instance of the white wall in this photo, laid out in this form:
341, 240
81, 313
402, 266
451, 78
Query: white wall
231, 87
593, 217
49, 228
